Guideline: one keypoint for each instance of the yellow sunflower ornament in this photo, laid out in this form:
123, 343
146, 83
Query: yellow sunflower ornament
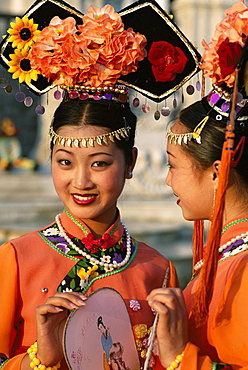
20, 66
23, 33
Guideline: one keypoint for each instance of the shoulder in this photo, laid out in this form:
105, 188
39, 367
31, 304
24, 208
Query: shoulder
153, 263
25, 241
147, 251
26, 237
234, 264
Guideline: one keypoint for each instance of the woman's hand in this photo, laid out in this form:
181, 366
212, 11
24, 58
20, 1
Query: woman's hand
50, 322
172, 329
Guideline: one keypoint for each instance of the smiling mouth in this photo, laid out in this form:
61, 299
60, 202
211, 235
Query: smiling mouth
178, 199
83, 199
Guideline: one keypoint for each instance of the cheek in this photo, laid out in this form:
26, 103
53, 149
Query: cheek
114, 179
59, 178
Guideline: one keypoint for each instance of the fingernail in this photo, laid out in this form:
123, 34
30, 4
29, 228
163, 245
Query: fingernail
58, 309
72, 305
80, 302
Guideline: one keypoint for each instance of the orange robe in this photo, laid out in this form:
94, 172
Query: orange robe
224, 338
29, 264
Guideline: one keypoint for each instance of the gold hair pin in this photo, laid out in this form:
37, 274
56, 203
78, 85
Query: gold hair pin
188, 136
105, 139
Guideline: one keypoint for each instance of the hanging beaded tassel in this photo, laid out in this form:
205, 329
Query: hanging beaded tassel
208, 272
157, 114
165, 111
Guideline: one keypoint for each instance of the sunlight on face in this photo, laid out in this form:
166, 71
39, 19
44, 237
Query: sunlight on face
88, 180
193, 187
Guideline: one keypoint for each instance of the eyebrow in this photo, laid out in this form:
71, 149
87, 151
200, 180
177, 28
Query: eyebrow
90, 155
169, 153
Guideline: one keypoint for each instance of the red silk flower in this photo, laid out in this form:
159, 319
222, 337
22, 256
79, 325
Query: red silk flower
223, 51
167, 60
229, 55
98, 244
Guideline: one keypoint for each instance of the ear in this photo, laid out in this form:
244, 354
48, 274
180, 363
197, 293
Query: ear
129, 170
216, 171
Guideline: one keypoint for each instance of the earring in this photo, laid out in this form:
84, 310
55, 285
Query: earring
214, 198
130, 174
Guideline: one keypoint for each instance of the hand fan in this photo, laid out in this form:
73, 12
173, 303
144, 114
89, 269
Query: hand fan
99, 335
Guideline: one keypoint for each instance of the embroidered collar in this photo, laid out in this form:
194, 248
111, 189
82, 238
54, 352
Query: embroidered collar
77, 228
84, 273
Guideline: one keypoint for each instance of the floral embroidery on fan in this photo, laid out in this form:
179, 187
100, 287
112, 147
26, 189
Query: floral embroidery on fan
134, 304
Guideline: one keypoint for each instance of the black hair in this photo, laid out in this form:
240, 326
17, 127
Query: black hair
213, 136
112, 115
100, 322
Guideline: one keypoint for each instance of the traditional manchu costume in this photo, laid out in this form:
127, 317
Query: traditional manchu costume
216, 297
224, 338
36, 265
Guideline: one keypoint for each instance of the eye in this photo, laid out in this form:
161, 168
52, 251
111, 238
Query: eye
99, 164
169, 165
64, 162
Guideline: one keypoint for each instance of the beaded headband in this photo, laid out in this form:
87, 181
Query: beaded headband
226, 54
78, 142
90, 56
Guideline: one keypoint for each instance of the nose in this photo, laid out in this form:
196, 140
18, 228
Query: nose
82, 179
168, 179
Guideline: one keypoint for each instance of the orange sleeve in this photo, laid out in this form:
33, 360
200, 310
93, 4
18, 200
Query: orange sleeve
193, 360
8, 304
229, 326
231, 320
14, 363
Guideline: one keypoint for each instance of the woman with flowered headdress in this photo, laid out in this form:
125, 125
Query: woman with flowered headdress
49, 272
204, 327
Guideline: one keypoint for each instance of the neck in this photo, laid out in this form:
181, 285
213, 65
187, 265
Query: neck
236, 205
98, 227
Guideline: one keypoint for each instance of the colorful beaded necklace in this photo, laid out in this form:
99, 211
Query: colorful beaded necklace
92, 259
199, 264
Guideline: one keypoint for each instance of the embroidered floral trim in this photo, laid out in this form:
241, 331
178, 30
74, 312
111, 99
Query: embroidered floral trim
83, 274
134, 304
235, 248
216, 366
3, 361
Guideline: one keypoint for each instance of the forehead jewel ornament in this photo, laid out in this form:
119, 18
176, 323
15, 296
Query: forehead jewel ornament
100, 55
85, 142
225, 62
